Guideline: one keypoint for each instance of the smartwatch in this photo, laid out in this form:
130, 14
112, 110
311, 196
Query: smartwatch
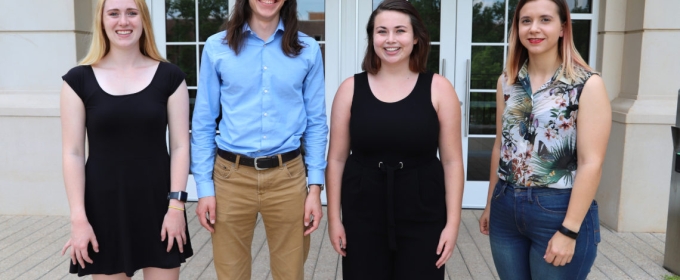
181, 196
321, 187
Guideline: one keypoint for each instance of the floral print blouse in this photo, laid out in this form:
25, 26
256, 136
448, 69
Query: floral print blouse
539, 131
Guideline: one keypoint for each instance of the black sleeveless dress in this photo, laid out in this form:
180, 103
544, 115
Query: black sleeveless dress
393, 195
127, 174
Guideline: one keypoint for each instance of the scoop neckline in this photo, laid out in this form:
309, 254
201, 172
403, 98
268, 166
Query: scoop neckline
128, 94
400, 100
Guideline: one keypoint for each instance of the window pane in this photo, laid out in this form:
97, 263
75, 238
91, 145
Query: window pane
185, 58
211, 16
312, 18
580, 6
479, 158
180, 23
433, 59
581, 31
488, 21
487, 65
482, 113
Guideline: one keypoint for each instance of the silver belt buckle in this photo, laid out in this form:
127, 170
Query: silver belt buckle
255, 164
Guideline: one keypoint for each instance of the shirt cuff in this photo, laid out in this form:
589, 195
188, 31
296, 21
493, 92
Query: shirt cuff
315, 177
205, 189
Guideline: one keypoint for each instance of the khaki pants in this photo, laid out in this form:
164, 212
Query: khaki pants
278, 194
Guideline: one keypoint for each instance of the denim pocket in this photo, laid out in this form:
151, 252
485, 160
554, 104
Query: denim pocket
556, 203
497, 190
595, 218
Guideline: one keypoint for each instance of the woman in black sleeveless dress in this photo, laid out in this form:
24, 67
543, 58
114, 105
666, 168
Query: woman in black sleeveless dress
124, 96
400, 204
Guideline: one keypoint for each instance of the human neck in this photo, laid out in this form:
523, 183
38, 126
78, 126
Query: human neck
123, 58
544, 64
264, 28
395, 71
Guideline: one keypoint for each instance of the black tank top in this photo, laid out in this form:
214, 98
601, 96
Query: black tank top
392, 132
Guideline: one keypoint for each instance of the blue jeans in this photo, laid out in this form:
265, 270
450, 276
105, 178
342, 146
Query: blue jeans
523, 220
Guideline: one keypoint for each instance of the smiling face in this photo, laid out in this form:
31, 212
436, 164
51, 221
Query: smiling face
266, 10
122, 23
393, 38
540, 27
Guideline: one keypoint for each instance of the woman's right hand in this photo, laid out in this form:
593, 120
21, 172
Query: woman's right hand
484, 221
336, 232
81, 236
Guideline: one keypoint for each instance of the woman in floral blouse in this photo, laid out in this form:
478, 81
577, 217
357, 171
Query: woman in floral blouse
553, 123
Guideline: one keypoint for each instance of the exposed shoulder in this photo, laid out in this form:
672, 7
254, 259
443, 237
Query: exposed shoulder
594, 87
441, 86
346, 89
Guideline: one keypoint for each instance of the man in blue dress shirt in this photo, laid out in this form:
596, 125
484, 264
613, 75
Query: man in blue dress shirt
267, 80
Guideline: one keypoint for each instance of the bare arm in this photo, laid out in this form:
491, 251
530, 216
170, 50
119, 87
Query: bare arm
446, 104
337, 156
592, 135
178, 127
495, 156
73, 160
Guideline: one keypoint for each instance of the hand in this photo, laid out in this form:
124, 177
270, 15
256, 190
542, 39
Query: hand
313, 212
206, 205
560, 250
447, 241
81, 236
173, 228
484, 221
336, 232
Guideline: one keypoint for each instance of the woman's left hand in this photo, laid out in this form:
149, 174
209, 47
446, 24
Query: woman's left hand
560, 250
173, 228
447, 241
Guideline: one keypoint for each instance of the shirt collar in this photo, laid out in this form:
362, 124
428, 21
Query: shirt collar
279, 27
523, 77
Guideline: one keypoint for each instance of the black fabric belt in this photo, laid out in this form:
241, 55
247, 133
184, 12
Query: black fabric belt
260, 163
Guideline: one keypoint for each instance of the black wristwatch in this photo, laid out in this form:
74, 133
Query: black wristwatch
568, 232
181, 196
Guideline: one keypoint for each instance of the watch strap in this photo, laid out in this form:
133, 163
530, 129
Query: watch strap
569, 233
181, 196
321, 186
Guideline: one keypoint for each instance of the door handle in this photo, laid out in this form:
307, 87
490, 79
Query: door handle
467, 97
443, 67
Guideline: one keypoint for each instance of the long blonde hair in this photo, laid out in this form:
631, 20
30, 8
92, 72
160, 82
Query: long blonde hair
517, 53
100, 45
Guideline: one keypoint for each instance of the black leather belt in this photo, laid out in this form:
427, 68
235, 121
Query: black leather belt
260, 163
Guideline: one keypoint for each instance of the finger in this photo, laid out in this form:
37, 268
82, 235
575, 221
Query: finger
343, 238
204, 222
440, 246
563, 262
79, 258
307, 217
86, 256
180, 243
163, 232
184, 238
213, 214
95, 244
73, 256
171, 240
63, 249
569, 259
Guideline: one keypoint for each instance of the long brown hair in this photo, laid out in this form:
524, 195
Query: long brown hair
418, 58
100, 44
236, 38
517, 53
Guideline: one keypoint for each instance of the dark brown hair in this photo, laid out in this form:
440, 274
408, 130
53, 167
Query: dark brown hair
418, 57
518, 54
236, 38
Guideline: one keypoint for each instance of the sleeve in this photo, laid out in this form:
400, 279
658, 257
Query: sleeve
75, 79
175, 76
315, 136
203, 125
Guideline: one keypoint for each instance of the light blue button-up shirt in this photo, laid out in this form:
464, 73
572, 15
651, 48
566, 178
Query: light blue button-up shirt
268, 102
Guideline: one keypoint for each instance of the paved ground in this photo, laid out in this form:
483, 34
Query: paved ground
30, 245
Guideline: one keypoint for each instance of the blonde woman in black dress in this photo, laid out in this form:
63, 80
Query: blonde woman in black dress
127, 201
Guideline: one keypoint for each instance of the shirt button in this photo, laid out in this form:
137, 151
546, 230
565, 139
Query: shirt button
265, 114
265, 91
264, 137
265, 68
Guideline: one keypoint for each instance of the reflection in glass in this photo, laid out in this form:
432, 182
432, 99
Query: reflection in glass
580, 6
433, 59
479, 158
482, 113
180, 20
185, 58
430, 12
211, 16
487, 65
581, 31
488, 20
312, 18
